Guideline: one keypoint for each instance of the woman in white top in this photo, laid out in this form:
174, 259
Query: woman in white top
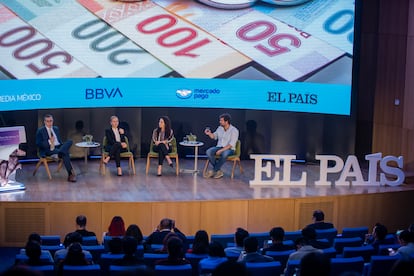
115, 137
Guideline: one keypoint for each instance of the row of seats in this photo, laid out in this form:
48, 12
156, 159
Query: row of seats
378, 265
347, 246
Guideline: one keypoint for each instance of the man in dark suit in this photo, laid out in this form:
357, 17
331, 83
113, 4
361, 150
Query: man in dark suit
50, 144
319, 223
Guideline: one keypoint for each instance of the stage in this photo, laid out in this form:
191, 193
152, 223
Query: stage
96, 187
216, 205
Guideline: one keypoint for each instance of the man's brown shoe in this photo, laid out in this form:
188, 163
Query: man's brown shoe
72, 178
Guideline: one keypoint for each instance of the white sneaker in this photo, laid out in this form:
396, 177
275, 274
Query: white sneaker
219, 174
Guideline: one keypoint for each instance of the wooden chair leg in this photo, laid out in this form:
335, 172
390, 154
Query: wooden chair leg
177, 169
205, 167
148, 164
37, 167
240, 167
47, 169
232, 170
102, 167
132, 164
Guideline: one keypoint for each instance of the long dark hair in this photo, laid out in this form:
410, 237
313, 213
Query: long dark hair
167, 123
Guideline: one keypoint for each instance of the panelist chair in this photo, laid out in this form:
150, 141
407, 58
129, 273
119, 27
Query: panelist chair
45, 162
173, 155
127, 154
235, 158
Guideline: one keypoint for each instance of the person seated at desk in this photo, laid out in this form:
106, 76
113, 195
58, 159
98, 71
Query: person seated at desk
116, 143
162, 137
49, 142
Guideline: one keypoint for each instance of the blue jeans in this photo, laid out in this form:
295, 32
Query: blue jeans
217, 163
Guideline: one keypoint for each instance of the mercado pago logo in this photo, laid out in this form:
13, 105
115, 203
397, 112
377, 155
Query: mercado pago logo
381, 170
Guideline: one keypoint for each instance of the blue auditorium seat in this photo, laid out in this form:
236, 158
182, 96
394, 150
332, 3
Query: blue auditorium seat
82, 270
380, 265
293, 235
264, 269
365, 251
223, 239
89, 240
340, 243
173, 270
45, 270
342, 265
329, 234
119, 270
280, 256
352, 232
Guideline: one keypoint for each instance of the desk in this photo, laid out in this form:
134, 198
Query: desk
195, 145
86, 146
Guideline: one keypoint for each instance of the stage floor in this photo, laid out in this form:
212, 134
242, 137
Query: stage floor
91, 186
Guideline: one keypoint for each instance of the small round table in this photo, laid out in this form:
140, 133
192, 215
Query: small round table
86, 146
195, 145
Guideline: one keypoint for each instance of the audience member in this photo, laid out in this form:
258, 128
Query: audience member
215, 257
115, 245
315, 264
175, 253
406, 239
116, 227
164, 248
277, 235
81, 227
319, 223
75, 256
134, 231
251, 245
378, 236
70, 238
157, 237
239, 237
304, 244
230, 268
129, 247
33, 253
309, 234
201, 243
44, 253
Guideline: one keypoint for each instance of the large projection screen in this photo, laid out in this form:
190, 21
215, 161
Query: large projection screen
284, 57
